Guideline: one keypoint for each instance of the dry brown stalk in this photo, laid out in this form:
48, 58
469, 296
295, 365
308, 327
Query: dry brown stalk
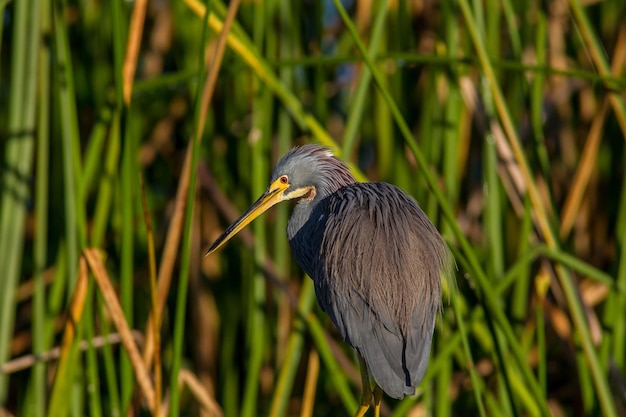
117, 315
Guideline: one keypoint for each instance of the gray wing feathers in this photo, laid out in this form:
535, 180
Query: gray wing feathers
378, 278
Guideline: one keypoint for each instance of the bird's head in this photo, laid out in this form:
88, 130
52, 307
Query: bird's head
305, 173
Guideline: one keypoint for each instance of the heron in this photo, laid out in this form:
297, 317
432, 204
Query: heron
376, 261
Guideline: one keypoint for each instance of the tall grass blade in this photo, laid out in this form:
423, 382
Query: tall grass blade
18, 163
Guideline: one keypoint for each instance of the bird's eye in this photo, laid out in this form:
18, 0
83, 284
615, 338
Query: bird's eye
284, 179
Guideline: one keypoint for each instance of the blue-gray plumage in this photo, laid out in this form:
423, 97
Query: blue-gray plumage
375, 258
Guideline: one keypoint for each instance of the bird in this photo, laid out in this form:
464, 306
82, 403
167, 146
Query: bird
376, 260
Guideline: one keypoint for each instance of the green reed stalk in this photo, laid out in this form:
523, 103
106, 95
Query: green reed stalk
18, 157
286, 41
598, 54
293, 353
256, 320
183, 281
359, 99
38, 383
478, 390
75, 217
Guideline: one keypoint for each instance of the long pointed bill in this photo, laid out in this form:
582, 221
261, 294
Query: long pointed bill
272, 196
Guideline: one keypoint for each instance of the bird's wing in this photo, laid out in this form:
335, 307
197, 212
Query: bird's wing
378, 278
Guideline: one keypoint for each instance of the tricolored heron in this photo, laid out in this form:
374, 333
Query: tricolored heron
375, 258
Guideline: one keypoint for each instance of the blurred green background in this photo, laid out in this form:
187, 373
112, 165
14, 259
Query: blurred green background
505, 119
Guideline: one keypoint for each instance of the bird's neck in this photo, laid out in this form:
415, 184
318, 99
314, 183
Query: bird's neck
301, 213
304, 209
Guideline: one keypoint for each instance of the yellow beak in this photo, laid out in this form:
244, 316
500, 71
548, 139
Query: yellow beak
271, 197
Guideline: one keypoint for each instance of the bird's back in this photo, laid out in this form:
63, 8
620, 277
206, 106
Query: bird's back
376, 261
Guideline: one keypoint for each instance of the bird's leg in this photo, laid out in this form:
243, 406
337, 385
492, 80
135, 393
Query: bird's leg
366, 390
378, 397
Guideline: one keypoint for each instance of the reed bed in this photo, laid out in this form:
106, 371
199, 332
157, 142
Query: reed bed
132, 133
